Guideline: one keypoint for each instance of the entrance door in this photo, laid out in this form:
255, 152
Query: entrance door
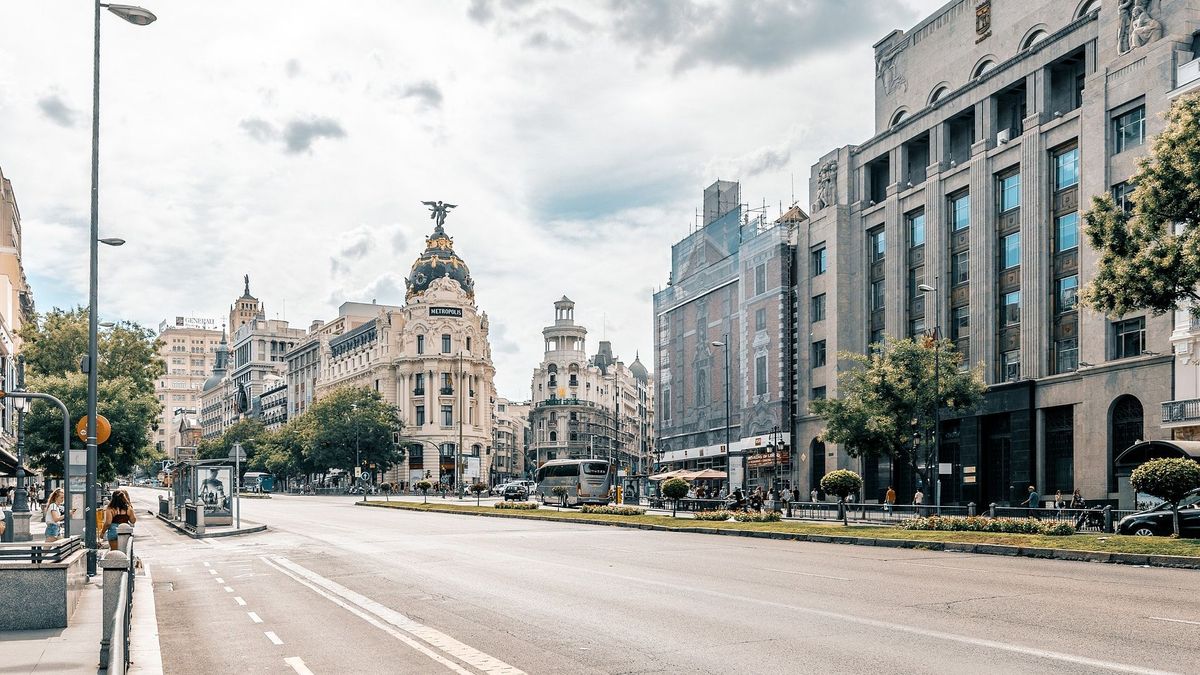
816, 454
997, 461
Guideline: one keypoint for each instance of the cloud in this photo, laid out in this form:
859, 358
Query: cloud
299, 135
292, 67
258, 129
426, 92
57, 111
480, 11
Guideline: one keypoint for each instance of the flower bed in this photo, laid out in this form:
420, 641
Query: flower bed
517, 506
613, 510
982, 524
720, 514
758, 516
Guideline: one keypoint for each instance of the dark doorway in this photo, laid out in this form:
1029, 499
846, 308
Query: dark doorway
816, 455
997, 460
1125, 430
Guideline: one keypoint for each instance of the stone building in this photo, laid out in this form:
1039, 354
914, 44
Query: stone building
730, 288
589, 407
16, 309
996, 122
218, 395
510, 441
188, 350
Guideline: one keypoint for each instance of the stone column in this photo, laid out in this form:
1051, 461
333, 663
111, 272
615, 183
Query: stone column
114, 565
124, 537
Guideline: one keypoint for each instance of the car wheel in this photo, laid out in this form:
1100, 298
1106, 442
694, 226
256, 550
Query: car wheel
1142, 531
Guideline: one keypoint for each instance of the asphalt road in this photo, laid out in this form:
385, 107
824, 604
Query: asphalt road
335, 588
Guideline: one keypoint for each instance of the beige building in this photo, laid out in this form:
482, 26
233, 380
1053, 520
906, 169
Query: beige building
16, 305
510, 441
188, 350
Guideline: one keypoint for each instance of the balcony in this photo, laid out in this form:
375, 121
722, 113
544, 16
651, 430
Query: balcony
564, 401
419, 391
1181, 413
1187, 73
446, 391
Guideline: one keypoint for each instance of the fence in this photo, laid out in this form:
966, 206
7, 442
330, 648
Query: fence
40, 552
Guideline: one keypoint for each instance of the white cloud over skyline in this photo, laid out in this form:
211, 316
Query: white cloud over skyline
294, 141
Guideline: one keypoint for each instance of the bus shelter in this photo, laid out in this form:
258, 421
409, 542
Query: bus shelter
209, 481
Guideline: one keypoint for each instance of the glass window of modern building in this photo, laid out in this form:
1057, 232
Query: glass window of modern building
1066, 232
1066, 169
1129, 338
960, 212
1129, 130
1010, 251
819, 262
1010, 192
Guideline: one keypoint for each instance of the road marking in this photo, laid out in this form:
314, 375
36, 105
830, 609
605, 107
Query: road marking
207, 565
219, 580
297, 665
212, 572
806, 574
1163, 618
366, 607
238, 599
273, 638
253, 617
228, 589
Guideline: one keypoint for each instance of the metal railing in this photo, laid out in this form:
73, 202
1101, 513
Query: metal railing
1187, 410
120, 572
40, 552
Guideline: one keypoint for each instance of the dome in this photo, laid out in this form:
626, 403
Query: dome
638, 370
213, 382
438, 260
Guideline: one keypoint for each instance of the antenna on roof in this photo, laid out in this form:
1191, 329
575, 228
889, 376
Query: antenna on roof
793, 188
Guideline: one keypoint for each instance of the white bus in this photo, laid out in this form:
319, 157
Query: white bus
587, 481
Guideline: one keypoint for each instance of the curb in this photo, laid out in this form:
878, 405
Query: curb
208, 535
1143, 559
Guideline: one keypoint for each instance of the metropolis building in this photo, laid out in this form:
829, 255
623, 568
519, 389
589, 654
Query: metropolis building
996, 123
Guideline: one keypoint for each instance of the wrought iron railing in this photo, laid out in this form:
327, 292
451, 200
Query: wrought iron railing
1187, 410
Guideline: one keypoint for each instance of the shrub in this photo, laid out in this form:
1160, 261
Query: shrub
758, 517
613, 510
983, 524
720, 514
842, 483
1167, 479
516, 506
424, 487
675, 488
479, 487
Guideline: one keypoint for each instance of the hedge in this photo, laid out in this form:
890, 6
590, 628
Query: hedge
516, 506
613, 510
982, 524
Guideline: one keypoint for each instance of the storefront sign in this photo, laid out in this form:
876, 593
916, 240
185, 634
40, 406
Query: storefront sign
767, 459
445, 311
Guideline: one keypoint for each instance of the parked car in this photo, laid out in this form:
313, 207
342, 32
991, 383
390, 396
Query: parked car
515, 492
1157, 521
530, 486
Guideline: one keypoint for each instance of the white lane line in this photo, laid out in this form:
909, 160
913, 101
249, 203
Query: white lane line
219, 580
411, 642
806, 574
178, 569
238, 599
1163, 618
273, 637
228, 589
253, 617
212, 572
297, 665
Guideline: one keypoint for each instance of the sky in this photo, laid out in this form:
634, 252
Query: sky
295, 141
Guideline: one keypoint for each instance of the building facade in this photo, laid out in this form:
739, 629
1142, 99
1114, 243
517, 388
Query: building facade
724, 342
188, 349
218, 395
996, 122
16, 309
510, 441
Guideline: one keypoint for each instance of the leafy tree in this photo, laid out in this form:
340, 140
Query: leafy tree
843, 483
675, 489
423, 486
251, 433
386, 489
478, 488
1150, 258
57, 341
349, 420
1167, 479
560, 491
887, 401
284, 452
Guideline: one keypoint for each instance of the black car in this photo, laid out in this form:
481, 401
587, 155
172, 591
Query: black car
515, 492
1157, 521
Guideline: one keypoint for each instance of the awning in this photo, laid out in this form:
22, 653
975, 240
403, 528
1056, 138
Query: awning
701, 474
1144, 451
667, 475
8, 464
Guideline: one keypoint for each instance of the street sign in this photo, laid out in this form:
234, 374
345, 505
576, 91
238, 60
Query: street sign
237, 453
103, 429
946, 468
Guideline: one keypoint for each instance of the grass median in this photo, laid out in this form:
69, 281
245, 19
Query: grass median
1103, 543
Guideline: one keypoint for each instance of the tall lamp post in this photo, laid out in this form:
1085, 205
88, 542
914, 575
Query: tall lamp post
138, 17
728, 419
935, 476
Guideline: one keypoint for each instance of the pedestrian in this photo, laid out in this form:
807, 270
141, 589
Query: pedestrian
1059, 502
1033, 501
812, 495
918, 500
1077, 501
54, 515
787, 495
889, 500
118, 512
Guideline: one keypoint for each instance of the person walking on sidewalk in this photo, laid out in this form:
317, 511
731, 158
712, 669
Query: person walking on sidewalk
889, 500
1033, 501
118, 512
54, 515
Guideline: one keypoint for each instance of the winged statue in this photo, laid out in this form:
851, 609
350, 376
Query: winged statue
438, 211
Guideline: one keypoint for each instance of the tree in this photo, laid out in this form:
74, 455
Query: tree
424, 485
675, 489
478, 488
843, 483
560, 491
1167, 479
351, 421
57, 341
386, 489
887, 403
250, 433
1150, 257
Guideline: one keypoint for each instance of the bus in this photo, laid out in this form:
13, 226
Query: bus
588, 481
258, 481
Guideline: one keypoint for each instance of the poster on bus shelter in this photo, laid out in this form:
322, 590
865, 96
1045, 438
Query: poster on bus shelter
213, 489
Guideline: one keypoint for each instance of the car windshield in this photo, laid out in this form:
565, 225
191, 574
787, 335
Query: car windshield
1191, 501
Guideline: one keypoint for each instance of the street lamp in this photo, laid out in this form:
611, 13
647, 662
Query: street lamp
728, 446
937, 392
138, 17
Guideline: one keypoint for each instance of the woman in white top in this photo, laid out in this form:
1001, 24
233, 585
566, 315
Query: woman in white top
54, 513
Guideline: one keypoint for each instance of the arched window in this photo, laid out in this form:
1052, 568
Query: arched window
898, 117
1125, 428
983, 67
1033, 38
553, 436
938, 92
1086, 7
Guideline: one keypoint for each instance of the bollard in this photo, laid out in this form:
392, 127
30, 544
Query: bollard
114, 564
1108, 519
124, 534
8, 526
199, 518
164, 506
992, 510
971, 509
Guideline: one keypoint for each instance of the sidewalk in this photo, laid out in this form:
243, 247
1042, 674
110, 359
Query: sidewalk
74, 649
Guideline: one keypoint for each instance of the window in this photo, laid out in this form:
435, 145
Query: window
420, 344
817, 308
468, 343
1123, 196
916, 327
960, 267
960, 212
666, 404
1012, 308
760, 375
818, 394
916, 229
445, 344
960, 322
420, 415
1010, 192
877, 289
819, 262
419, 389
760, 279
1129, 338
1129, 130
1010, 251
878, 243
818, 354
448, 416
916, 277
760, 319
447, 387
1065, 290
1066, 355
1010, 365
1066, 169
1066, 232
